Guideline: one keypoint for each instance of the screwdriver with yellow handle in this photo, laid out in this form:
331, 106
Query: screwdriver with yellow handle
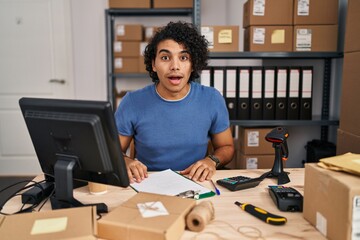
262, 214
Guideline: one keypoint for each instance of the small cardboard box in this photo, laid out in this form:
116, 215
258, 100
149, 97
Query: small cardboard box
332, 202
173, 4
252, 141
271, 13
129, 3
352, 30
126, 64
315, 38
71, 223
256, 161
129, 32
126, 48
222, 38
268, 39
126, 222
347, 142
308, 12
350, 97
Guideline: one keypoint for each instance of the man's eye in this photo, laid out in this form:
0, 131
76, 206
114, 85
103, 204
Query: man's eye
165, 58
184, 58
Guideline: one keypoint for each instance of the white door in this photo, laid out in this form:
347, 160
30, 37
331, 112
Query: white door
35, 61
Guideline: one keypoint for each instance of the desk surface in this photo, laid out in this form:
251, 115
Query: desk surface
226, 212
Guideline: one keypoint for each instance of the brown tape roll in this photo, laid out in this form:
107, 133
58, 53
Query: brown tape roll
200, 216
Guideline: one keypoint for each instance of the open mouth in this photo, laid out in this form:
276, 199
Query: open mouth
175, 80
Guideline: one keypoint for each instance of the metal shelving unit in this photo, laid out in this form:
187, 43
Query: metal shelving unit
322, 120
112, 14
194, 13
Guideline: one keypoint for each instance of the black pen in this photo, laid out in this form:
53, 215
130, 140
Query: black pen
216, 189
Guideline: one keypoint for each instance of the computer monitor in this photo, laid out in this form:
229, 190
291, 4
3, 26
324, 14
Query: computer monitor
75, 140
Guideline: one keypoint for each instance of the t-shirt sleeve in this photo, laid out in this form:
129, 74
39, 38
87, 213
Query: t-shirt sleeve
124, 117
220, 120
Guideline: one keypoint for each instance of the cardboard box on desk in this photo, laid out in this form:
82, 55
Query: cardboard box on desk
127, 223
72, 223
332, 202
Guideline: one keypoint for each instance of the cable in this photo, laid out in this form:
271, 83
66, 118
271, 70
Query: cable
17, 193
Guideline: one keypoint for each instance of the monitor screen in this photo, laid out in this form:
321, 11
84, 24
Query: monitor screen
75, 139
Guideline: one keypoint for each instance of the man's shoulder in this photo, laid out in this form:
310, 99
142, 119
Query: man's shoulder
205, 90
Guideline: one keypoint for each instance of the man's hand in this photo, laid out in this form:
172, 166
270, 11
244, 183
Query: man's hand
137, 171
202, 170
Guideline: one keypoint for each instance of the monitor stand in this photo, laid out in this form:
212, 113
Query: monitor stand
63, 197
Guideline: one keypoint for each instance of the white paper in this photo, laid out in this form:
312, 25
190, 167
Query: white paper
152, 209
168, 182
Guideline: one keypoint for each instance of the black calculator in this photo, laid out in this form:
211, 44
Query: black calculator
239, 182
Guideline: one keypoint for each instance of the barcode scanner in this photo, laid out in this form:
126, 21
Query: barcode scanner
278, 137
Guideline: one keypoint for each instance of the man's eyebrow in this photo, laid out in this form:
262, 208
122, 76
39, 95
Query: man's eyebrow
167, 51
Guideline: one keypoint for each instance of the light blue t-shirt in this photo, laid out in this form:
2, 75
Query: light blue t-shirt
171, 134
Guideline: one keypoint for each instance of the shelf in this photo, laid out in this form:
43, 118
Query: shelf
275, 55
146, 12
129, 75
260, 123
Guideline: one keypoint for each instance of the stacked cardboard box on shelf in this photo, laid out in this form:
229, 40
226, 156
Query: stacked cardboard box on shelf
348, 137
268, 25
290, 25
315, 30
254, 151
127, 47
150, 4
221, 38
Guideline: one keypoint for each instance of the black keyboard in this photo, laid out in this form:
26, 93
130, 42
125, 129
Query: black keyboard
239, 182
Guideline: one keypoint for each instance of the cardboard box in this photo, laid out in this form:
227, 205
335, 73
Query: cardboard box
268, 39
256, 161
350, 97
173, 4
127, 223
142, 67
149, 32
332, 202
277, 12
315, 38
129, 32
252, 141
347, 142
129, 3
127, 49
126, 64
222, 38
70, 223
352, 30
308, 12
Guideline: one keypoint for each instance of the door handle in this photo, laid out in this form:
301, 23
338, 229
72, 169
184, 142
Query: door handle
61, 81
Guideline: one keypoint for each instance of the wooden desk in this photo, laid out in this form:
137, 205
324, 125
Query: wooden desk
226, 212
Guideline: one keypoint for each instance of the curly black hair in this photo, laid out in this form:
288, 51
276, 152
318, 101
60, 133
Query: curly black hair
183, 33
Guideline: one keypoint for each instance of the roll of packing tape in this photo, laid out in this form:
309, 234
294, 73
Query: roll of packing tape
200, 216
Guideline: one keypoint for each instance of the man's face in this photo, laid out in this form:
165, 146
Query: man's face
173, 67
